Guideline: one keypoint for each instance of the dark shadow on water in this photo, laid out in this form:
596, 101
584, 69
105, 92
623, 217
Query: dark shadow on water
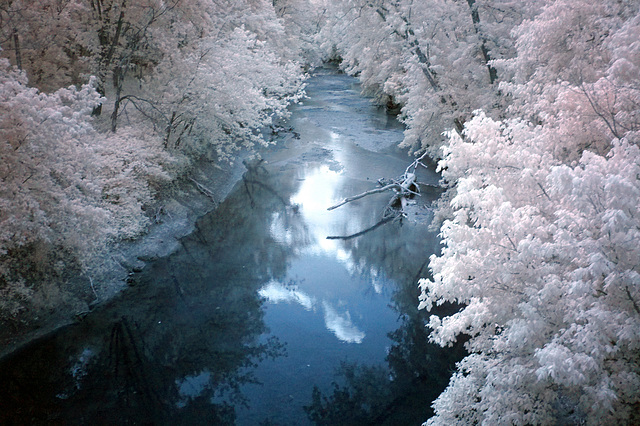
176, 347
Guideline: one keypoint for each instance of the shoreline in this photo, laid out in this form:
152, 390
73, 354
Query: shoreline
182, 204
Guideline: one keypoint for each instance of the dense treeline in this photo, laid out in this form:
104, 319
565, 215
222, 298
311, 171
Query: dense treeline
533, 108
102, 104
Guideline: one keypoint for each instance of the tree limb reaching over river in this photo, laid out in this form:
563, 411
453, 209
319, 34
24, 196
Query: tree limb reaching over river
404, 188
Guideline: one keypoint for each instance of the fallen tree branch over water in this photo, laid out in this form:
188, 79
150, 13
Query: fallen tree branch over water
404, 188
364, 231
364, 194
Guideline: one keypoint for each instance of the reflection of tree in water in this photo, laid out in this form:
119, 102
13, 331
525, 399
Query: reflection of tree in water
418, 371
364, 395
128, 368
177, 346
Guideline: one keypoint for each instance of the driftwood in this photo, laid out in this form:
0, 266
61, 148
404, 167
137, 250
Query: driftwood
364, 194
404, 189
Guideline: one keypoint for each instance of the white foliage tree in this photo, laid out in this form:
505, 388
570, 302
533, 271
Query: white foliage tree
574, 73
204, 75
540, 244
231, 89
303, 20
67, 191
544, 260
434, 58
45, 39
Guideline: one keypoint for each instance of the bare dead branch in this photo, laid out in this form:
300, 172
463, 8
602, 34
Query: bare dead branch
544, 192
364, 194
364, 231
635, 304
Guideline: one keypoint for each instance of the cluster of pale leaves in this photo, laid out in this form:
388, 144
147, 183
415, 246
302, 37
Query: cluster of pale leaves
355, 34
64, 185
540, 248
231, 89
202, 78
207, 75
379, 40
544, 259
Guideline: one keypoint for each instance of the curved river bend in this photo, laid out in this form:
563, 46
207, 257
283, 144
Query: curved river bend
258, 318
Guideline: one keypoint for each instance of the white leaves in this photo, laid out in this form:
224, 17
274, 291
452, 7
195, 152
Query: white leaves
545, 257
64, 185
563, 366
216, 73
230, 89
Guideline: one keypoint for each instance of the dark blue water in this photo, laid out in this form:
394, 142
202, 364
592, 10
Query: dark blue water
258, 318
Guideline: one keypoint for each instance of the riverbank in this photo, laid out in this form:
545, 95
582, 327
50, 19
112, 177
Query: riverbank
174, 215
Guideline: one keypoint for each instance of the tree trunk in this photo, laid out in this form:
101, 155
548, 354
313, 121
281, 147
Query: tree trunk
410, 37
475, 18
108, 53
16, 46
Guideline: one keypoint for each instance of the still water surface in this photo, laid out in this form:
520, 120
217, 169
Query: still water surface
258, 318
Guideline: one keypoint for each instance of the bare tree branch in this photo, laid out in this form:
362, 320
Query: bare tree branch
364, 231
364, 194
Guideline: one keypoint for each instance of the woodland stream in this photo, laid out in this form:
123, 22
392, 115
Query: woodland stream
257, 308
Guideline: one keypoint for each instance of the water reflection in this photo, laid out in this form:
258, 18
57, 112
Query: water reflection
321, 186
341, 325
258, 305
317, 191
416, 371
275, 292
176, 347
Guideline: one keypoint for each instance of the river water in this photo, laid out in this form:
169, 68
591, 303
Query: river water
258, 317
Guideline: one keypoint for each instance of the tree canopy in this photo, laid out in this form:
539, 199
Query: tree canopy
532, 109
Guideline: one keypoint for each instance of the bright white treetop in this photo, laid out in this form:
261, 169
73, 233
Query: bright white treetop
541, 244
64, 185
543, 258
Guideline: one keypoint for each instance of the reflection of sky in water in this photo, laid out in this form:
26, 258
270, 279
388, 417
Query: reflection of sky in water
275, 293
341, 325
318, 190
316, 193
192, 386
329, 308
326, 314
